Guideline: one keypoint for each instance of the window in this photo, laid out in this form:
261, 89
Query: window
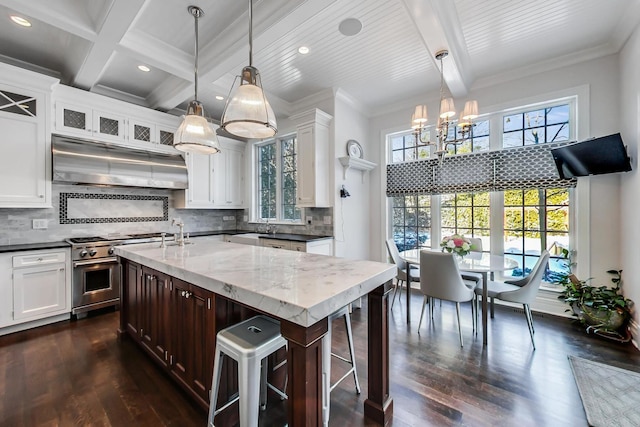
276, 186
550, 124
412, 222
466, 214
535, 220
528, 220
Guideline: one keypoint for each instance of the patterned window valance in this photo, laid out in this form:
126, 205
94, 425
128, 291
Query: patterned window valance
519, 168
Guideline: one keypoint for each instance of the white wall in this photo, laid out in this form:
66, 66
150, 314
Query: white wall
351, 214
630, 192
601, 79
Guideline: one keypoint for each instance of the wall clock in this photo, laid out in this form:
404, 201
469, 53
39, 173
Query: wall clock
354, 149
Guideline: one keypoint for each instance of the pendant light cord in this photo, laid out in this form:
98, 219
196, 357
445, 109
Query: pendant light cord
196, 14
250, 33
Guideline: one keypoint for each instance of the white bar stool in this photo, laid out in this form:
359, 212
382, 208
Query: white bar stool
248, 343
327, 387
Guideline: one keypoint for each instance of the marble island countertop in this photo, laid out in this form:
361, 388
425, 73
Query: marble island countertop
296, 286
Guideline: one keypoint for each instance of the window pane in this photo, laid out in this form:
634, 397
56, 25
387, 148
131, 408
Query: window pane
481, 218
534, 136
512, 139
511, 123
558, 114
532, 197
534, 118
558, 133
481, 144
558, 219
513, 198
531, 218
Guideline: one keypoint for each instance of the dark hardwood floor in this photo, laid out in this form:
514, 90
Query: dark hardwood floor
77, 373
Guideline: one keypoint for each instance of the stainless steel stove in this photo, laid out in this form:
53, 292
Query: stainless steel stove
96, 277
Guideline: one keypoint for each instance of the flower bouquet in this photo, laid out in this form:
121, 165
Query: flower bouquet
456, 244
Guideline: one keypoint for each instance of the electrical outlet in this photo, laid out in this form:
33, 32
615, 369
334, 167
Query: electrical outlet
40, 224
327, 220
309, 219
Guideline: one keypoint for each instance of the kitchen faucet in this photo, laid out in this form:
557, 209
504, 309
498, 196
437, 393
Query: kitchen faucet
179, 223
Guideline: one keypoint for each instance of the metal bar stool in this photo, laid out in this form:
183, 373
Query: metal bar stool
248, 343
327, 387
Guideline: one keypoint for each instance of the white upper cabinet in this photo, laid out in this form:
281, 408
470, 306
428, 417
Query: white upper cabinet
216, 181
312, 160
25, 144
84, 114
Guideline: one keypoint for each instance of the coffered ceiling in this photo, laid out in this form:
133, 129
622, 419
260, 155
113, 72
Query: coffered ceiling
97, 45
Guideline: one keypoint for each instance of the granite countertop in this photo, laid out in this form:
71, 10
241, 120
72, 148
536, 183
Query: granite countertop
296, 286
33, 246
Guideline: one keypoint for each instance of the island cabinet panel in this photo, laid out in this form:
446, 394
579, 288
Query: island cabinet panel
193, 337
130, 311
154, 309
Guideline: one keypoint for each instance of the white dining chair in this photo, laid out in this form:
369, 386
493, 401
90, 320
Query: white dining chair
402, 265
522, 291
440, 278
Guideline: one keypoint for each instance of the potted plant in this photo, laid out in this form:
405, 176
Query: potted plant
603, 309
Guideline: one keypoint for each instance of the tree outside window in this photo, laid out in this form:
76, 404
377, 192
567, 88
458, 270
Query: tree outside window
411, 222
467, 214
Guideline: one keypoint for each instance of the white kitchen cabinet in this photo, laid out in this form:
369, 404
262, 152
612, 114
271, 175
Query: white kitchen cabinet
312, 159
149, 132
83, 114
35, 288
216, 181
84, 121
25, 150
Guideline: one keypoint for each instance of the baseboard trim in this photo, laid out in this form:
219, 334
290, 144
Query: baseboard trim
634, 329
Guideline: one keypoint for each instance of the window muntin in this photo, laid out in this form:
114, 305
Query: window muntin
276, 181
467, 214
411, 219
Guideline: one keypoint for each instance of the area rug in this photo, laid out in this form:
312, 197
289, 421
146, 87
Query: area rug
610, 395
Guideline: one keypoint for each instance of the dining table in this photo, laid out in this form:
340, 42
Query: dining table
476, 262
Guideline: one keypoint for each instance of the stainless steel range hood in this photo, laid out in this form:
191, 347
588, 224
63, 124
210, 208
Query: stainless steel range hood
81, 161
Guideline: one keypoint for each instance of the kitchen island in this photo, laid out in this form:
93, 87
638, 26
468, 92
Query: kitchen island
299, 289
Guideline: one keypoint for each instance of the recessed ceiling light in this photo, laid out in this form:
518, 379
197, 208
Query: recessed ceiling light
303, 50
219, 98
20, 20
144, 68
350, 27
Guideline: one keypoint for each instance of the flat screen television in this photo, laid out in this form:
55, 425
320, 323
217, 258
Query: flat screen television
595, 156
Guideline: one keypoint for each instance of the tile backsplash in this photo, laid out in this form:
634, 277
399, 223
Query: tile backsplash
97, 203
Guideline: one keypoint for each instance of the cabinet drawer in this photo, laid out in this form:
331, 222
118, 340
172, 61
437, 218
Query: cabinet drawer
298, 246
275, 243
38, 259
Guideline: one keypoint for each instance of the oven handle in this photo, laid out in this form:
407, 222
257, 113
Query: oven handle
94, 261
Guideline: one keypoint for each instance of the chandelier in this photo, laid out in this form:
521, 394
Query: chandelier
448, 132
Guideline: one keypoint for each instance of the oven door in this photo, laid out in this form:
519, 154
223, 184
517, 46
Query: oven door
96, 284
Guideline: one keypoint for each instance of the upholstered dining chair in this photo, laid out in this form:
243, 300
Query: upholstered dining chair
402, 265
440, 278
521, 291
476, 278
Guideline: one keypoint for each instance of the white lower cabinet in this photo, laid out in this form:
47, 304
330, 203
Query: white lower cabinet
35, 286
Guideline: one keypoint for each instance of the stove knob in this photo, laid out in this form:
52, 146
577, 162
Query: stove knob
111, 249
92, 252
83, 253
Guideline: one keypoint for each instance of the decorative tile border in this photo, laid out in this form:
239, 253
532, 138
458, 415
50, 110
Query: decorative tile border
65, 197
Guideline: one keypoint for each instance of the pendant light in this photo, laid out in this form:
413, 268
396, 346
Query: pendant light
247, 113
195, 134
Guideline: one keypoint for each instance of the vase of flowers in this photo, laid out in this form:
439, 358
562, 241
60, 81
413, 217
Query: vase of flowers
456, 244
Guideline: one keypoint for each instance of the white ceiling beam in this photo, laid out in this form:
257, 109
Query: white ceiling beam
157, 53
62, 16
116, 23
271, 21
438, 26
